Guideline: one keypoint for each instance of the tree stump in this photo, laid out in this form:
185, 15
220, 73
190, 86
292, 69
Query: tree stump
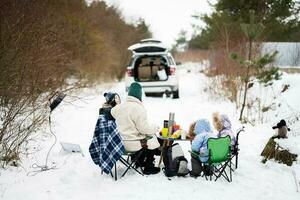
272, 150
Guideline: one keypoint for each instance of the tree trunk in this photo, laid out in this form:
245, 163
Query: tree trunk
273, 151
246, 81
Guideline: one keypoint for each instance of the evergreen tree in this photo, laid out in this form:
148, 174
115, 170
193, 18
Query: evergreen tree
281, 19
255, 67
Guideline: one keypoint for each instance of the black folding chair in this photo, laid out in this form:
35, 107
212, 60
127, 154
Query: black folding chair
130, 160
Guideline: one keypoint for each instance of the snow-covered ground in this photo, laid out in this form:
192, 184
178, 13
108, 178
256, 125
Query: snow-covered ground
76, 177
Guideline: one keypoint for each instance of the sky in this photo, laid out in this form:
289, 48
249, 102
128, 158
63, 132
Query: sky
166, 18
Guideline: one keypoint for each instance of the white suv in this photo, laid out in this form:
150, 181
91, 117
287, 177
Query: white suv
153, 66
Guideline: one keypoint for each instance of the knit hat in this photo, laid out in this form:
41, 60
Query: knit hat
201, 126
110, 98
281, 124
135, 90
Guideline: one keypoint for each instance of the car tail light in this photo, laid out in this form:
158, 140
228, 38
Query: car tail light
130, 72
172, 70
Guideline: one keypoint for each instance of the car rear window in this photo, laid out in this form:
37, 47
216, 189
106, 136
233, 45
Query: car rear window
149, 49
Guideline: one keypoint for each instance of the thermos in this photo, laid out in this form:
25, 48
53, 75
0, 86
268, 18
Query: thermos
171, 123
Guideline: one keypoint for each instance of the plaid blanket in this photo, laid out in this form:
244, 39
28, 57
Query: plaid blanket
107, 146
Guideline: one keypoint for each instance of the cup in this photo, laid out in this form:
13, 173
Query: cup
164, 132
183, 135
166, 122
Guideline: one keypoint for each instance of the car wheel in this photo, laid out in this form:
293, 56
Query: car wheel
176, 94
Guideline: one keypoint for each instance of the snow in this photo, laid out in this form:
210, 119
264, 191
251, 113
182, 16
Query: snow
292, 144
76, 177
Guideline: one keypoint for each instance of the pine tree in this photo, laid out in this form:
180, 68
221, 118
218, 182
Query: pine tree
259, 67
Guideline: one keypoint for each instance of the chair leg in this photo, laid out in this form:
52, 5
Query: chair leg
116, 174
122, 160
222, 172
231, 165
203, 175
219, 171
130, 165
236, 160
230, 171
210, 174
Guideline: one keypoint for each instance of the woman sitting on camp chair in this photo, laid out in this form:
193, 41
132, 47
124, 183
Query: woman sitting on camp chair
107, 146
136, 131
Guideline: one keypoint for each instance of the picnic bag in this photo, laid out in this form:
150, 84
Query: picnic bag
174, 161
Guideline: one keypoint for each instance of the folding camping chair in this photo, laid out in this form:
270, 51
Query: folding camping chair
219, 158
130, 163
130, 160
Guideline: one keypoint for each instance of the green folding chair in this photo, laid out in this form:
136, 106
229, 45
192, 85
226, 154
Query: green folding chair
219, 157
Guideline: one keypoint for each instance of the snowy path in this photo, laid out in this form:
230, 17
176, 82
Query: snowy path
78, 178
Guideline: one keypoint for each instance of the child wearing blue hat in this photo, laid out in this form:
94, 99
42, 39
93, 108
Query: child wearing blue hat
202, 132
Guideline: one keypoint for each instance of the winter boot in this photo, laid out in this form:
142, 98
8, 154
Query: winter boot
157, 152
141, 159
208, 170
151, 170
196, 167
149, 167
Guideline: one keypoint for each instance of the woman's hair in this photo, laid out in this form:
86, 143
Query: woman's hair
217, 122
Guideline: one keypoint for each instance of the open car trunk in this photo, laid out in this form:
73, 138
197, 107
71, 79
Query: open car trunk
148, 46
151, 68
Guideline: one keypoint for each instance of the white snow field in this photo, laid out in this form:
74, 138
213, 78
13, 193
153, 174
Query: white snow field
77, 177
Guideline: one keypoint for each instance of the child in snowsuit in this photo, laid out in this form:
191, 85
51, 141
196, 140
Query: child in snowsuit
223, 125
202, 131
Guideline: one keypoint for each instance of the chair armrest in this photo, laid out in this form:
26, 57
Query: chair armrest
147, 137
193, 153
237, 137
240, 130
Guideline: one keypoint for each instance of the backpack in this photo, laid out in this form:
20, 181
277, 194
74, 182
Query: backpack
174, 161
